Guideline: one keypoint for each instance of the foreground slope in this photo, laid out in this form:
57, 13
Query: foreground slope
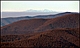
55, 38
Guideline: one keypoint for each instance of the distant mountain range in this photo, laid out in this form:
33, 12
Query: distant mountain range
30, 12
66, 20
42, 31
45, 10
9, 20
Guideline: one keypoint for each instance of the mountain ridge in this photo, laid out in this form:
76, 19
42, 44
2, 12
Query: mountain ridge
39, 25
59, 32
6, 21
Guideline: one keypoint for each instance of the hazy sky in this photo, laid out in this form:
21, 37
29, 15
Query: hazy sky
18, 6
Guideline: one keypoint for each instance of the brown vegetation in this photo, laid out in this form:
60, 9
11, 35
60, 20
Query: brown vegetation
59, 38
40, 25
22, 27
66, 21
60, 32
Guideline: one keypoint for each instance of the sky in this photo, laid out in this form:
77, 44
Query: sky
20, 6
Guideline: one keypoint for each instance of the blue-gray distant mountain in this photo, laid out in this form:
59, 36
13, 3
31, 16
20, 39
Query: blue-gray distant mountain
9, 20
30, 12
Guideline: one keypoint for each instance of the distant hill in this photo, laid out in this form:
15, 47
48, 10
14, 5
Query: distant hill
39, 25
23, 26
65, 21
9, 20
6, 21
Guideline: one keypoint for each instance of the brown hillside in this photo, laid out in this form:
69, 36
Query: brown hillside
55, 38
66, 21
40, 25
22, 27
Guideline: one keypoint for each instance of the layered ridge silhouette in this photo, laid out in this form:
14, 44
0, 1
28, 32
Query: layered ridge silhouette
9, 20
39, 25
59, 32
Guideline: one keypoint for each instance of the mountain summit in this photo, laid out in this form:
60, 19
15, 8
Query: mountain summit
45, 10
